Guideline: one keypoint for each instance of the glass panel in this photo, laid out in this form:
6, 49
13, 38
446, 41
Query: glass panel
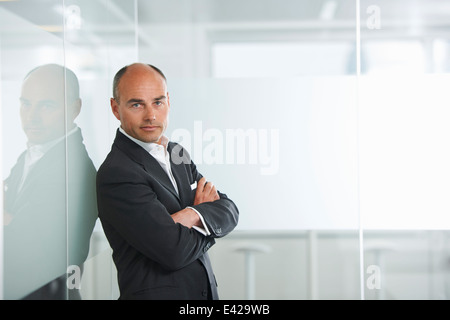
265, 101
100, 39
55, 133
403, 151
34, 152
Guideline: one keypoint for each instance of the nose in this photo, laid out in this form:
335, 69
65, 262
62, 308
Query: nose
150, 115
32, 113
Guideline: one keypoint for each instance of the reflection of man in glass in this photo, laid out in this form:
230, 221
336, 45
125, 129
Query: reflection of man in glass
49, 196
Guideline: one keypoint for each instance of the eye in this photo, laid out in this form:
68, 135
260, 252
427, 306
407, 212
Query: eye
48, 106
135, 105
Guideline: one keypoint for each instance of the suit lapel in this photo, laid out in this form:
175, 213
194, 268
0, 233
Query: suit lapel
154, 169
141, 156
183, 183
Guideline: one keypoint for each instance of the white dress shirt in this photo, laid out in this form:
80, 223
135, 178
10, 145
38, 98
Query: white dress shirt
160, 153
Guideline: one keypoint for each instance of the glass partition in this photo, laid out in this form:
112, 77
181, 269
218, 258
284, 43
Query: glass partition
265, 101
325, 121
99, 40
35, 243
57, 59
403, 150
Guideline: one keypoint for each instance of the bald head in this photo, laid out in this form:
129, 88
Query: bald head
133, 69
55, 77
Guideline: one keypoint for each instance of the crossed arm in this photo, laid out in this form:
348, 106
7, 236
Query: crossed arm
132, 214
206, 192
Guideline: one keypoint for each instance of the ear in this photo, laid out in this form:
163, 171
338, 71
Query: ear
168, 100
74, 110
115, 108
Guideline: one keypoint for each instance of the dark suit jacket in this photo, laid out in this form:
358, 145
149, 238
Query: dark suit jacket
155, 257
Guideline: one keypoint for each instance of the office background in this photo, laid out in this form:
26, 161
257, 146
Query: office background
326, 121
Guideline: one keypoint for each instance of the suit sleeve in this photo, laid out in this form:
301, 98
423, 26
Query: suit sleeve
130, 208
221, 216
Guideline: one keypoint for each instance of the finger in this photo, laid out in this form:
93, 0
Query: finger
213, 189
211, 192
201, 183
208, 187
200, 186
215, 193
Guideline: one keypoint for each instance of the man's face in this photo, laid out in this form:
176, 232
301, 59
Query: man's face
42, 107
143, 105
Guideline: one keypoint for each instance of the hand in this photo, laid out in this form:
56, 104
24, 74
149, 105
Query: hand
187, 217
206, 192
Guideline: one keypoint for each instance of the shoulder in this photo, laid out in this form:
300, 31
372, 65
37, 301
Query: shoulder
117, 165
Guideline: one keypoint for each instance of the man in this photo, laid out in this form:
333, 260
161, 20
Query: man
50, 207
159, 214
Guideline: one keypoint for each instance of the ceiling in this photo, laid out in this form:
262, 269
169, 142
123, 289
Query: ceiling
178, 33
109, 19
